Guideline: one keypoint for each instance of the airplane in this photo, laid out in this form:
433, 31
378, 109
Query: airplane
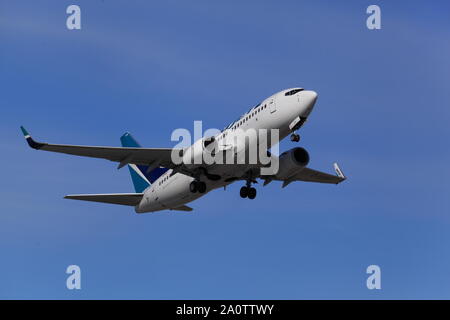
163, 184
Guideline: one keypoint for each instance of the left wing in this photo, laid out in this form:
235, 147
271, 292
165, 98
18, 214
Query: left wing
311, 175
152, 157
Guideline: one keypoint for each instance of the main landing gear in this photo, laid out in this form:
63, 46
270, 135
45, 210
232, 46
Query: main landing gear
248, 191
295, 137
197, 185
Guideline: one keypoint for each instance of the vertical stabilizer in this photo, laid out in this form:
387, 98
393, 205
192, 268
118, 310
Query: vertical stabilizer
141, 177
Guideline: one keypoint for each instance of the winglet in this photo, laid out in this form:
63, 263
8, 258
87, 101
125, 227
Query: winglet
339, 172
33, 144
25, 132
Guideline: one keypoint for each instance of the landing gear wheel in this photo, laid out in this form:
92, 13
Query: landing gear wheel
251, 193
201, 186
244, 192
295, 137
193, 186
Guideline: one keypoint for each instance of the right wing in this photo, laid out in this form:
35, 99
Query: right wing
126, 199
152, 157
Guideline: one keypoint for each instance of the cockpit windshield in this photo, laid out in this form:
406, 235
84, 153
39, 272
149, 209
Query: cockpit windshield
293, 91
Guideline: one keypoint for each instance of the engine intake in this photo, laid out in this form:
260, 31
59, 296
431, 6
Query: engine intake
291, 162
300, 156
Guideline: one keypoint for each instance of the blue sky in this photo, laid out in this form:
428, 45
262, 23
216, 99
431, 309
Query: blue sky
150, 67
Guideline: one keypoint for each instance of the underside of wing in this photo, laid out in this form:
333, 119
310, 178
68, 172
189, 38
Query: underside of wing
126, 199
144, 156
311, 175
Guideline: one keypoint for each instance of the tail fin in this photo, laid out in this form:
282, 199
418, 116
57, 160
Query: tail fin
140, 175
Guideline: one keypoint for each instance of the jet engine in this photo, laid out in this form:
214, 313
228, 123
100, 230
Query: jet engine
292, 161
210, 145
201, 152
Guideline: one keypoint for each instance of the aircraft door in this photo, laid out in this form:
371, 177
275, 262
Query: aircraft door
272, 105
154, 195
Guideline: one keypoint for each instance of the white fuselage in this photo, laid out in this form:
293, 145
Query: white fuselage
279, 111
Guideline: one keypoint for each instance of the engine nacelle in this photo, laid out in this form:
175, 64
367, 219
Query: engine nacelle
209, 145
202, 150
292, 161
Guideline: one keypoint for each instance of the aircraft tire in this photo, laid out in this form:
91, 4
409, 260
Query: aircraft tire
201, 186
193, 186
244, 192
251, 193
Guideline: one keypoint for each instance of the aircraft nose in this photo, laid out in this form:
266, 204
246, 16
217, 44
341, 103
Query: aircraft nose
307, 99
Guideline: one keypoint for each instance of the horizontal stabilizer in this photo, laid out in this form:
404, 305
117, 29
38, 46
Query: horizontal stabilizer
126, 199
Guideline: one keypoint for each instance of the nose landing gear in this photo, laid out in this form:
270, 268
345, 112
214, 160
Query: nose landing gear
295, 137
294, 126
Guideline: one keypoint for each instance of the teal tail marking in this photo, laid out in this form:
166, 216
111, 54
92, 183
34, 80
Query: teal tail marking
140, 181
